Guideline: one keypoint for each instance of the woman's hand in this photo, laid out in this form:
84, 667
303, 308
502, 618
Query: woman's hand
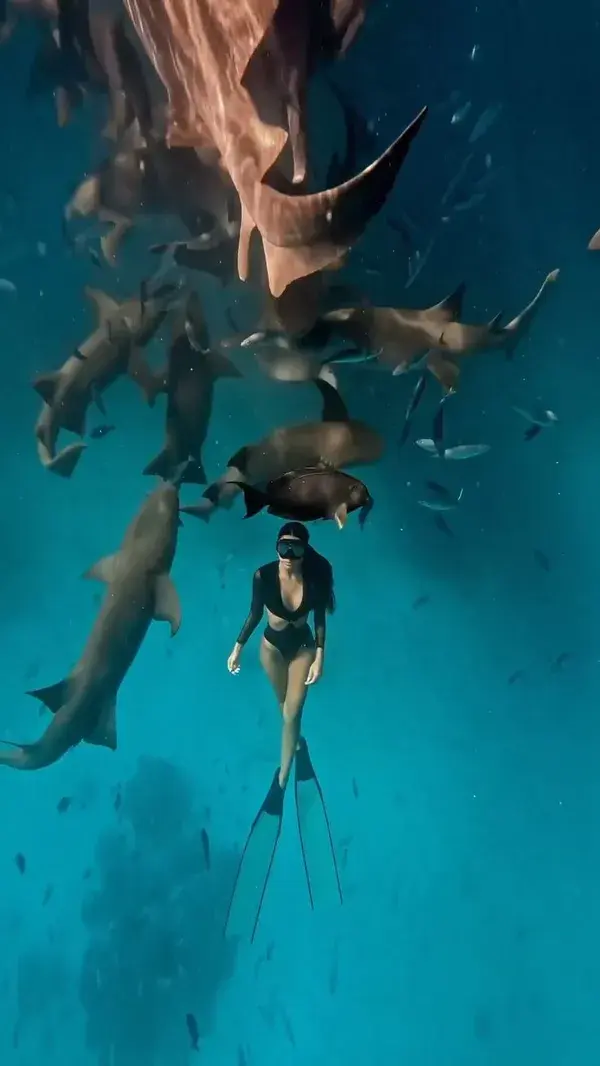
233, 662
316, 669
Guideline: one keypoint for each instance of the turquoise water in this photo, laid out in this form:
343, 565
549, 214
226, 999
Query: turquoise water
463, 805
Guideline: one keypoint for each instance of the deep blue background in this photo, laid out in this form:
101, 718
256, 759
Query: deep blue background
470, 857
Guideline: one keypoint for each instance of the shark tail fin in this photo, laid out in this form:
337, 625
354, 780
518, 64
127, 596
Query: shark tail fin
164, 466
65, 462
53, 696
193, 472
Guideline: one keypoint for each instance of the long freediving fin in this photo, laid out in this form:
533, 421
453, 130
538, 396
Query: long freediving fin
318, 854
255, 866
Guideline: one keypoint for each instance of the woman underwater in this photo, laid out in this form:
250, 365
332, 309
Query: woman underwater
299, 581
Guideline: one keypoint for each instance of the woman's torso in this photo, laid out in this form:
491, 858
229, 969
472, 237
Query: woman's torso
287, 600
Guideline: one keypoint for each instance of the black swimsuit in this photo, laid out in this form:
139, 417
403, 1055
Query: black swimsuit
266, 592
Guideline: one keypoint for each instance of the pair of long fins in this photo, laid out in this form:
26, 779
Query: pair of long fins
318, 855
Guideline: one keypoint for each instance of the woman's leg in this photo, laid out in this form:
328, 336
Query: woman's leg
276, 669
292, 709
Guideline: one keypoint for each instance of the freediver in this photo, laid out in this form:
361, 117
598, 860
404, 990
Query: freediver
299, 581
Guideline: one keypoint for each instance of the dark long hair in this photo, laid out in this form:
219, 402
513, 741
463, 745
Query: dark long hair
317, 570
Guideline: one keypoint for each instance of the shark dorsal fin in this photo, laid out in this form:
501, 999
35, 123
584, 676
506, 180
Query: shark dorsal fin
451, 306
53, 696
106, 306
494, 324
46, 385
104, 570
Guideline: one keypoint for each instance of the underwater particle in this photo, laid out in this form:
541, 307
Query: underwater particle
21, 863
101, 431
192, 1028
41, 249
63, 804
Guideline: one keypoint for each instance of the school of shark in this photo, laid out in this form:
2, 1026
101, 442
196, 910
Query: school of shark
203, 107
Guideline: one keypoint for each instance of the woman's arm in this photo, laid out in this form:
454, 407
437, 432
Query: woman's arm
257, 607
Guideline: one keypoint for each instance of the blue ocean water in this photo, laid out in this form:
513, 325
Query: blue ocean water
462, 798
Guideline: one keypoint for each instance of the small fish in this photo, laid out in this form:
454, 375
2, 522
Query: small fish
205, 848
460, 114
438, 428
442, 525
416, 263
48, 895
413, 403
485, 122
87, 874
118, 800
518, 675
558, 663
63, 804
355, 791
242, 1058
101, 431
21, 863
421, 601
192, 1028
441, 499
459, 451
143, 297
95, 256
287, 1025
7, 286
542, 560
474, 54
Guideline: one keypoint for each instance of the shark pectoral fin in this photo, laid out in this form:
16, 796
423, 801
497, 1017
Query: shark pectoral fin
104, 732
104, 570
106, 307
53, 696
445, 371
151, 383
46, 385
222, 367
167, 607
65, 462
341, 515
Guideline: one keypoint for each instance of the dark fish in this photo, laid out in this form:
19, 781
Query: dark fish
354, 788
442, 525
205, 848
21, 863
48, 895
87, 874
101, 431
118, 800
63, 804
143, 297
518, 675
542, 560
420, 601
192, 1028
242, 1058
311, 494
414, 402
32, 671
532, 432
287, 1025
560, 661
